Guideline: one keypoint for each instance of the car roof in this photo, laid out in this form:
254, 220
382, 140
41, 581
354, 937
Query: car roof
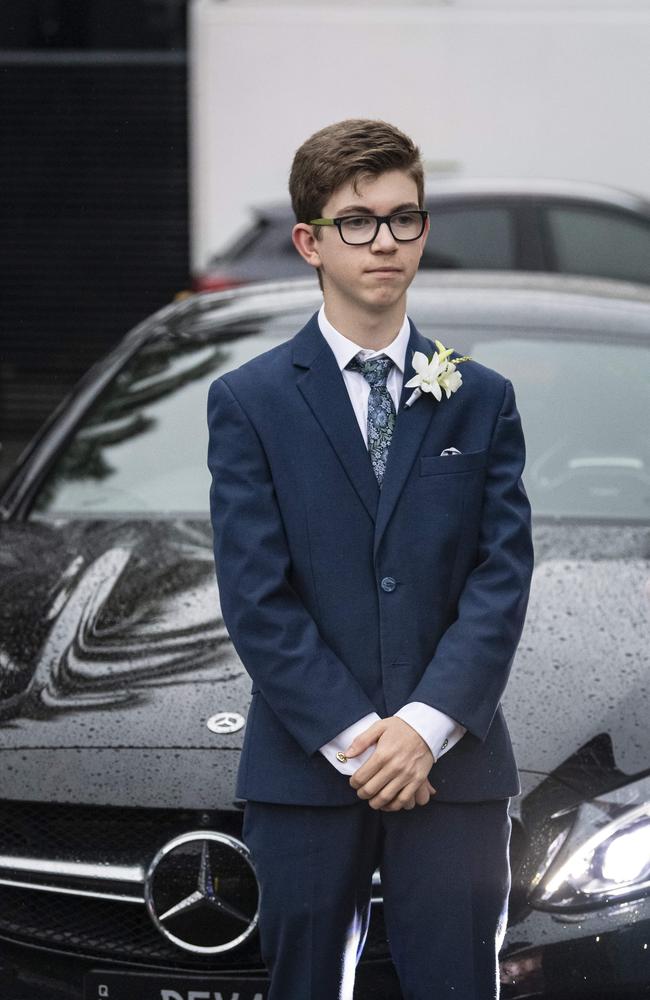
538, 187
500, 187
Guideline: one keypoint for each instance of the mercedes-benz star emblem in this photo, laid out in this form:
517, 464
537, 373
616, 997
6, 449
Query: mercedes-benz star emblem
226, 722
201, 892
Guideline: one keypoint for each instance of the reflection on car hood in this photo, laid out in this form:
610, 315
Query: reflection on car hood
112, 637
116, 627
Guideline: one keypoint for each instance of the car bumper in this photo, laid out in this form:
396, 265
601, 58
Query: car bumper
604, 954
588, 962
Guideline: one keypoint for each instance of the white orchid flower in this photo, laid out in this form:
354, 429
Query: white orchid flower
451, 379
435, 374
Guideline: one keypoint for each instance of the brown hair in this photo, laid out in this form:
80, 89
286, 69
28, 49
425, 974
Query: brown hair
353, 149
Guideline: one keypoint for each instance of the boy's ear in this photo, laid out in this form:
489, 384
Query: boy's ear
305, 243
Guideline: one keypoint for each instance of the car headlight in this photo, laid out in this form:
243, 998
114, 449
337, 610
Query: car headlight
603, 857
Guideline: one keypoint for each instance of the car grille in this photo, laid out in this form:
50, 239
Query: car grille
125, 840
67, 912
96, 928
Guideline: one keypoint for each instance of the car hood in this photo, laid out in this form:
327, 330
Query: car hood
581, 668
112, 634
112, 640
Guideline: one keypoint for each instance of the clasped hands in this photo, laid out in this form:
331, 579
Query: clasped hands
395, 775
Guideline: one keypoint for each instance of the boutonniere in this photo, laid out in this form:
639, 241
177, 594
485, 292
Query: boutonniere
435, 374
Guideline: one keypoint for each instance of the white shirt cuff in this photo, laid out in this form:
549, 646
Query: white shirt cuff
342, 742
439, 731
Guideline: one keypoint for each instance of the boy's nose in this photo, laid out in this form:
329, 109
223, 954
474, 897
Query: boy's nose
384, 235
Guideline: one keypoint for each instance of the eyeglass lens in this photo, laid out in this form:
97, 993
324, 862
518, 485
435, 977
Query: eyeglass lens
361, 229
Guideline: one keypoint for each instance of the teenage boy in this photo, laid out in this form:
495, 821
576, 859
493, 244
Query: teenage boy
373, 562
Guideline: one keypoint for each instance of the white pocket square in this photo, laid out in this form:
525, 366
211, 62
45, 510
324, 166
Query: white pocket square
450, 451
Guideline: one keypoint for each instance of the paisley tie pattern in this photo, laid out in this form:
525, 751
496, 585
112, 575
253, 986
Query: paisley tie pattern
381, 409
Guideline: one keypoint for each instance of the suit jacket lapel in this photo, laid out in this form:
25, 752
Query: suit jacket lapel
324, 390
410, 428
323, 387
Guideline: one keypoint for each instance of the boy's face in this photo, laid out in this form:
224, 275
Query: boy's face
351, 274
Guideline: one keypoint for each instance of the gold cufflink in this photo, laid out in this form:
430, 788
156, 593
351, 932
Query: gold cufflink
341, 756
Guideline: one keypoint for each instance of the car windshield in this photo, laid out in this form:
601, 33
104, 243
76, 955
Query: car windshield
142, 446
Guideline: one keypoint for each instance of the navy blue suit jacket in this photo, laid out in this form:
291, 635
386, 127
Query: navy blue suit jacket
342, 598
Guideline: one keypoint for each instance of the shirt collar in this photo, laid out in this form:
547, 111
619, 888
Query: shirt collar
345, 349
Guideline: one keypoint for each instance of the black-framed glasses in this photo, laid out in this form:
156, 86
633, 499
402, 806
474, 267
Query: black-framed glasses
359, 229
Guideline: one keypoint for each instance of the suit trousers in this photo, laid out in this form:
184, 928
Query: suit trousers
445, 878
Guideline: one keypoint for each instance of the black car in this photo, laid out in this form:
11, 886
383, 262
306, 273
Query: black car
123, 874
568, 227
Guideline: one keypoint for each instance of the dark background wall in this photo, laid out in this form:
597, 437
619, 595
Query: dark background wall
94, 181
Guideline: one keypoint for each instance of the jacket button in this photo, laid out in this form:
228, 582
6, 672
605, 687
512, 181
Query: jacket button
388, 584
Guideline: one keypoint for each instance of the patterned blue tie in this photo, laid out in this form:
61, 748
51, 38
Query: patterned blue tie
381, 409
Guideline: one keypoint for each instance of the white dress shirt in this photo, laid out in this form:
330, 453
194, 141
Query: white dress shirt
438, 730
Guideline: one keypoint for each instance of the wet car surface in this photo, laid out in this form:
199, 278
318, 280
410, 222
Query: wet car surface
123, 703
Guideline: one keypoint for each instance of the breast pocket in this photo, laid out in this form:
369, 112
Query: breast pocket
451, 486
445, 465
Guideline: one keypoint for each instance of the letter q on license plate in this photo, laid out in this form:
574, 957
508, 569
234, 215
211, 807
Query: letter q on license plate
144, 986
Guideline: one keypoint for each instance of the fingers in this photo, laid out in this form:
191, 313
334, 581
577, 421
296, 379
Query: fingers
390, 778
365, 739
422, 795
372, 767
397, 747
396, 805
394, 796
382, 772
383, 786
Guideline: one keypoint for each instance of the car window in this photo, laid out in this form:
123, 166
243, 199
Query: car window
584, 409
470, 237
598, 242
243, 242
274, 237
142, 448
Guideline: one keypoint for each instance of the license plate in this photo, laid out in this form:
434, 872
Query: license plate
145, 986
